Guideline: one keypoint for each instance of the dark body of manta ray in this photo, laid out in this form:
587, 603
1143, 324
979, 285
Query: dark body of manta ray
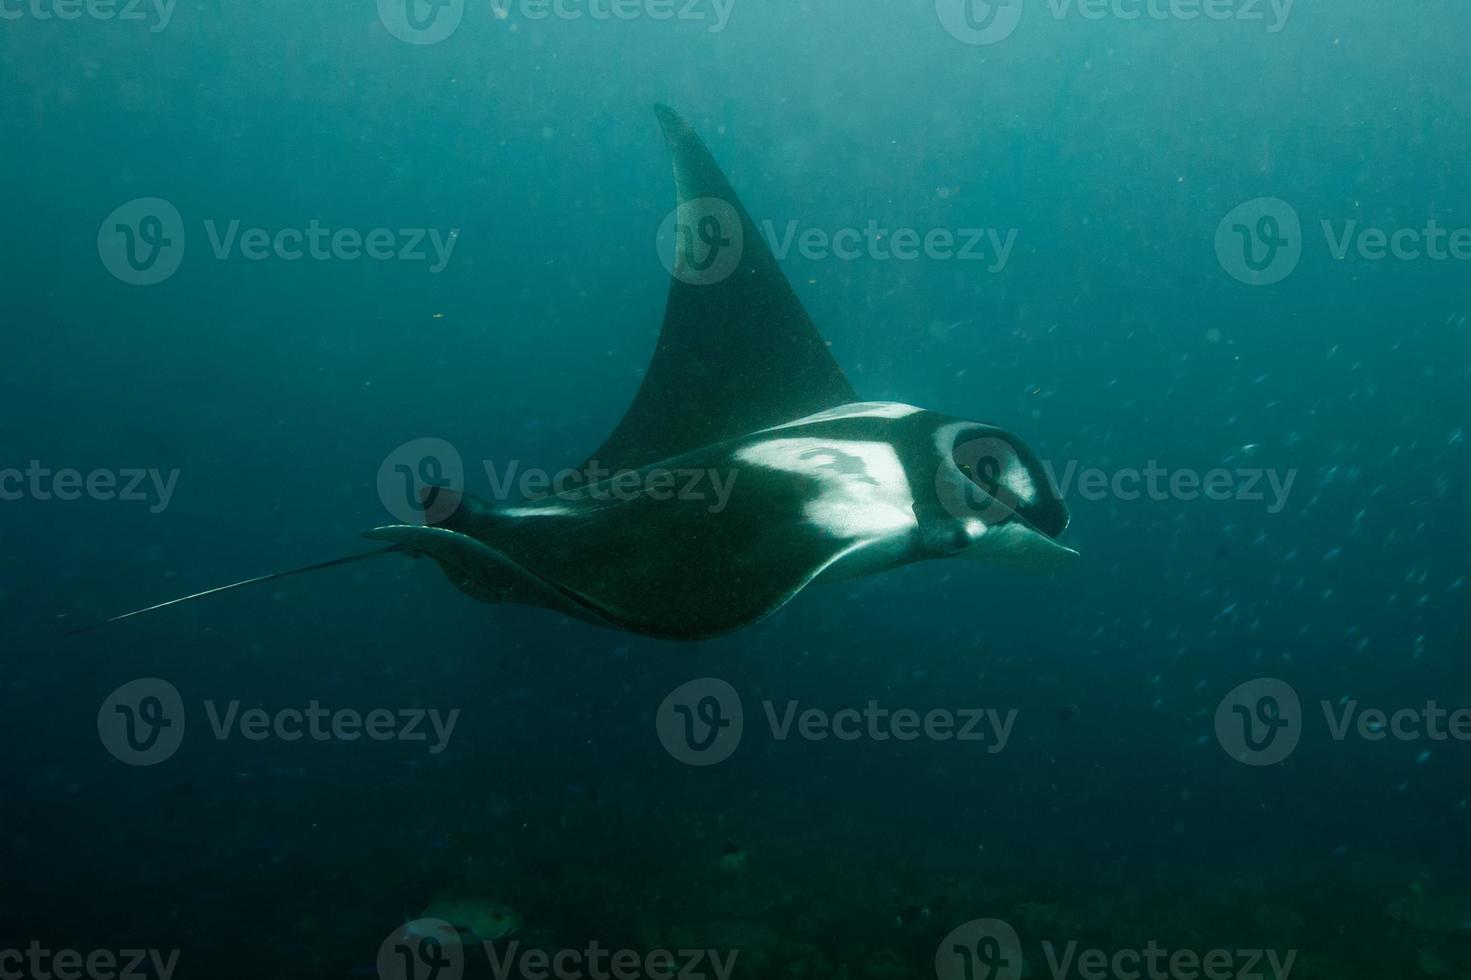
824, 485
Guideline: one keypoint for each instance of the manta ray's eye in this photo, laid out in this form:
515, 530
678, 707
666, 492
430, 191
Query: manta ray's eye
988, 474
986, 462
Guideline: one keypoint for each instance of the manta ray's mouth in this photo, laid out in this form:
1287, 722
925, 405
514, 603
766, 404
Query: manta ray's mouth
1051, 534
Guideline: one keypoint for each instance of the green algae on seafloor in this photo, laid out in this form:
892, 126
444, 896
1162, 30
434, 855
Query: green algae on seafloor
1433, 913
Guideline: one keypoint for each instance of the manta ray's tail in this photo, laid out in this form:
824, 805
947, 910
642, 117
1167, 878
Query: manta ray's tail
349, 559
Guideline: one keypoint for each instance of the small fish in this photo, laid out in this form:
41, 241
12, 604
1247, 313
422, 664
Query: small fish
911, 913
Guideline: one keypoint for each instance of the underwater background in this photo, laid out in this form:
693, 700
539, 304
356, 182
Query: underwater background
1173, 299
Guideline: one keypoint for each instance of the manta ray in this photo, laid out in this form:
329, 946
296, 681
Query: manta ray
820, 485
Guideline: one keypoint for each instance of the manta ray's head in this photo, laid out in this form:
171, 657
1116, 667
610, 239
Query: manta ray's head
1002, 503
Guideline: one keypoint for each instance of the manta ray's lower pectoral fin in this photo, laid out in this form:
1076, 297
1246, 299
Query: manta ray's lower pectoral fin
484, 573
1015, 545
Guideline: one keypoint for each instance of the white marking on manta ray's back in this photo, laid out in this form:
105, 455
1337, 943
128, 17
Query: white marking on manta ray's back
1019, 482
856, 410
862, 491
545, 510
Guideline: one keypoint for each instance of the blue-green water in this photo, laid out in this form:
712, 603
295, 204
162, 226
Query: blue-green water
1129, 184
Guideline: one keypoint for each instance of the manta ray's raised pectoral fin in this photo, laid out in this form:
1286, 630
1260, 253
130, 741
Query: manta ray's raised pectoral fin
737, 352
